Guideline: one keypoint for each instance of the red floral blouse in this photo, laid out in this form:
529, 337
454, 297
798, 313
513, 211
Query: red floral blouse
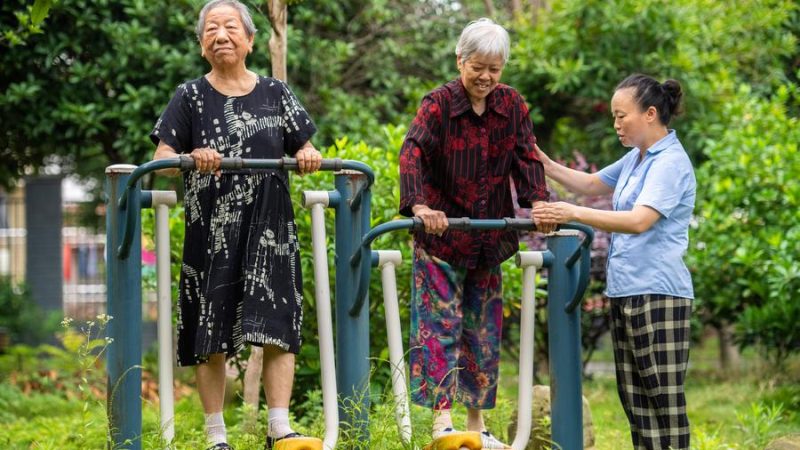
456, 161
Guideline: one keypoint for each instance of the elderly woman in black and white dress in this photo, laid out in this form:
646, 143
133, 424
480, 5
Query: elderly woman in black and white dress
240, 278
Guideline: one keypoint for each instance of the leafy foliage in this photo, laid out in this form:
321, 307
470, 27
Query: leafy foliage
29, 21
568, 65
86, 93
745, 256
360, 65
23, 318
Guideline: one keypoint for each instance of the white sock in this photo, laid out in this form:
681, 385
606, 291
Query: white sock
279, 423
215, 429
441, 421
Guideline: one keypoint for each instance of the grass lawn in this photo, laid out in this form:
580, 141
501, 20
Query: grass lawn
726, 412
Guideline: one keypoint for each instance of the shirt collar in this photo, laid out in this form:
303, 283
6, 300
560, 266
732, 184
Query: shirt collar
461, 103
663, 143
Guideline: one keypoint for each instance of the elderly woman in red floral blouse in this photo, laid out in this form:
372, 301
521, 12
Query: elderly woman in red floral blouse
468, 139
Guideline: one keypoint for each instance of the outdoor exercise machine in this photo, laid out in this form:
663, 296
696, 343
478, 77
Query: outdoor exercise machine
125, 199
351, 201
566, 285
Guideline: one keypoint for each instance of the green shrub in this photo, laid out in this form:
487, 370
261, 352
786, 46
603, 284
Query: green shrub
383, 159
744, 256
24, 319
568, 64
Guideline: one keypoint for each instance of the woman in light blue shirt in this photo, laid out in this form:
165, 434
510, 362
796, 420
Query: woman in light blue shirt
648, 283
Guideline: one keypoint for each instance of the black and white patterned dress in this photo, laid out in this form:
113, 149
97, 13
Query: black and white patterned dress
240, 278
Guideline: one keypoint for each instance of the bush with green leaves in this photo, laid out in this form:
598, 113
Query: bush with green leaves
383, 159
568, 64
24, 320
745, 257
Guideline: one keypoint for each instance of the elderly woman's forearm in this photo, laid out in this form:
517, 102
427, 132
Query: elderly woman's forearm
164, 151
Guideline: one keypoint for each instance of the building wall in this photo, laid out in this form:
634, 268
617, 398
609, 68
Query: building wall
43, 218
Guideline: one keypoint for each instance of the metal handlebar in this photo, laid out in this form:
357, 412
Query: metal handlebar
583, 253
185, 163
415, 224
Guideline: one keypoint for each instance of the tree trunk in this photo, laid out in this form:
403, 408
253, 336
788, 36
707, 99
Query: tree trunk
536, 7
489, 8
277, 41
516, 9
277, 50
729, 357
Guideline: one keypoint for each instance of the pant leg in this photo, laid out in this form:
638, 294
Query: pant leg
436, 293
482, 327
628, 380
657, 329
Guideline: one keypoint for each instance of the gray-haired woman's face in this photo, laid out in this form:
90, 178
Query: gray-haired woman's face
480, 74
224, 41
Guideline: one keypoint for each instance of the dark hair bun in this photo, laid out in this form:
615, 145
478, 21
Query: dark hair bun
674, 94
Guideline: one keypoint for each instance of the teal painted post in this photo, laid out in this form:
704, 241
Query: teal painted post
124, 304
564, 344
352, 330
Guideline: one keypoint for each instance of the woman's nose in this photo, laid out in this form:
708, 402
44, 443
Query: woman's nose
221, 35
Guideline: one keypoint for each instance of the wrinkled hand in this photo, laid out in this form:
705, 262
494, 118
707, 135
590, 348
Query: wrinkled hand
309, 159
435, 221
206, 160
556, 212
545, 227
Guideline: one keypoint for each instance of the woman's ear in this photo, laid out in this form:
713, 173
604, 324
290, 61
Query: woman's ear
651, 114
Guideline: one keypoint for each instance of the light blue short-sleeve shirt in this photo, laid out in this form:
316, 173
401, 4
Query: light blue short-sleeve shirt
652, 262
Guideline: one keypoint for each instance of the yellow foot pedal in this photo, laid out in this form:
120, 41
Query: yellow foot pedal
298, 443
456, 441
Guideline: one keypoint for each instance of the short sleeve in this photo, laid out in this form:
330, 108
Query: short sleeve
174, 127
665, 184
298, 126
610, 174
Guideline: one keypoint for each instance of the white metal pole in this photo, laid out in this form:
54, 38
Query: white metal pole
529, 261
162, 201
318, 201
387, 261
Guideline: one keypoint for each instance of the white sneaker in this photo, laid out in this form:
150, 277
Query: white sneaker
490, 442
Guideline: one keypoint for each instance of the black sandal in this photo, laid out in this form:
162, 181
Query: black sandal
220, 446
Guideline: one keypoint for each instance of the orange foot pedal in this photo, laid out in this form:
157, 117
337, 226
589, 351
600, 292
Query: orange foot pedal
456, 441
298, 443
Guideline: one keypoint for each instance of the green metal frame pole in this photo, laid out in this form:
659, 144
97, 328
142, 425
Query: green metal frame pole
565, 344
124, 302
352, 327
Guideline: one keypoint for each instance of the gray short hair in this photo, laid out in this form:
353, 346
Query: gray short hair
247, 20
484, 37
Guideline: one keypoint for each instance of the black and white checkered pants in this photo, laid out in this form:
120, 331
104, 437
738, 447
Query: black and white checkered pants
651, 351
